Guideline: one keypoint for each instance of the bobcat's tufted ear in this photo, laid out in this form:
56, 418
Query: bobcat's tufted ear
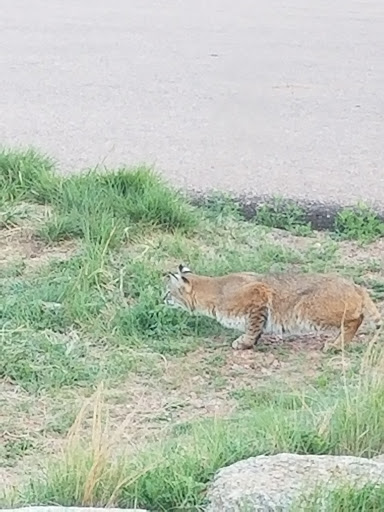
182, 271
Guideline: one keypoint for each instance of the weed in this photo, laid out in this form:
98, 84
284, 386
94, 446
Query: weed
283, 214
360, 223
377, 287
221, 207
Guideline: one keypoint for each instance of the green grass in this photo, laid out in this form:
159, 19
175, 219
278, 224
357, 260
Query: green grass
94, 315
109, 208
101, 208
369, 498
359, 223
282, 214
13, 449
275, 213
26, 175
221, 206
47, 361
250, 399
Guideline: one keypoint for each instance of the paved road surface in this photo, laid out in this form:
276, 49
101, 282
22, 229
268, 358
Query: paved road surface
256, 96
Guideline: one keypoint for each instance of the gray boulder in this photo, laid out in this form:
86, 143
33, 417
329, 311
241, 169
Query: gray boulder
275, 483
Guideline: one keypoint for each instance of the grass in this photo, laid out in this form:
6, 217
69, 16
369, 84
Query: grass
282, 214
45, 360
369, 498
359, 223
103, 209
112, 207
172, 474
25, 175
144, 399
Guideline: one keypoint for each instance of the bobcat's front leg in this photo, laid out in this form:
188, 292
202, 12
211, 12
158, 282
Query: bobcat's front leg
255, 326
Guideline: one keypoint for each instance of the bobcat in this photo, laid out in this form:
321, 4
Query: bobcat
275, 303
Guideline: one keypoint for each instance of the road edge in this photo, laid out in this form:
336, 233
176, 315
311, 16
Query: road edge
321, 215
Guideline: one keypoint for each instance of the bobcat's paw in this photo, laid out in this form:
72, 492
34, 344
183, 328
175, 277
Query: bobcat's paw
243, 342
332, 348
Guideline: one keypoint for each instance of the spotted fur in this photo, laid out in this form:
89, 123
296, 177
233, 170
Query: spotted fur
276, 303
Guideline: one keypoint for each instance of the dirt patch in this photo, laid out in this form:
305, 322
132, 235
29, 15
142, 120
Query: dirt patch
298, 243
20, 245
22, 421
356, 253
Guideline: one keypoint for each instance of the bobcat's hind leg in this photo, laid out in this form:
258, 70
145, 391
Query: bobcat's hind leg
346, 335
256, 322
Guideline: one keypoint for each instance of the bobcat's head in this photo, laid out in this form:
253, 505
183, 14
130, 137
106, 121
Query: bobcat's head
178, 292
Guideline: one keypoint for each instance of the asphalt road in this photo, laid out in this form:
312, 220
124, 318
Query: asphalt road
251, 96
